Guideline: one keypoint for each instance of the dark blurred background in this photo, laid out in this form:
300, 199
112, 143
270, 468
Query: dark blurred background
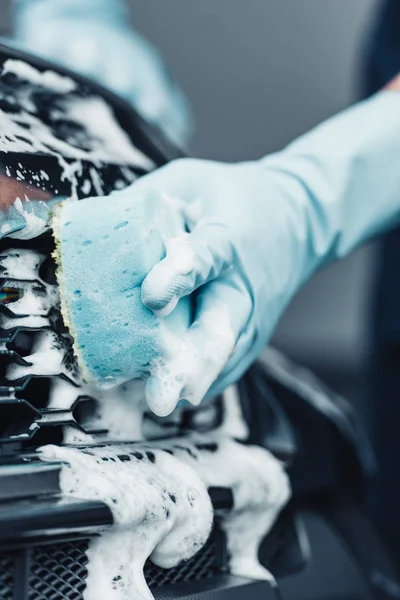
259, 73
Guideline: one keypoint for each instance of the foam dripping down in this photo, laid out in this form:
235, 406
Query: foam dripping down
158, 497
160, 507
260, 489
188, 363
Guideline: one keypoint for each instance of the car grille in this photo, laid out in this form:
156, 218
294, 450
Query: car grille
59, 571
6, 578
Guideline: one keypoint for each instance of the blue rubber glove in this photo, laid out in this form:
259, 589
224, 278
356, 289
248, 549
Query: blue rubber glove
258, 230
93, 37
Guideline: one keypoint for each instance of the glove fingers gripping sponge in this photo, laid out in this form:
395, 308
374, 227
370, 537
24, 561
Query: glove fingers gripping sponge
104, 249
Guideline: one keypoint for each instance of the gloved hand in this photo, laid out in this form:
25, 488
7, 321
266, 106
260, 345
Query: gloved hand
258, 230
93, 37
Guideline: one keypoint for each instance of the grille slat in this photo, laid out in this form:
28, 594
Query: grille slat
7, 570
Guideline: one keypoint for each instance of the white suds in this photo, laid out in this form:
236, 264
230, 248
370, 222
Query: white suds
160, 506
233, 424
90, 113
260, 489
21, 270
96, 181
196, 356
62, 394
49, 79
21, 264
121, 408
158, 496
94, 136
86, 187
34, 225
47, 358
35, 300
109, 142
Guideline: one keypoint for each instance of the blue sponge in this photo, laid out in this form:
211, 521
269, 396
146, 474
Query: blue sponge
104, 248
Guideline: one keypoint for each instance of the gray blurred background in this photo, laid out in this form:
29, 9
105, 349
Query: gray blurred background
259, 73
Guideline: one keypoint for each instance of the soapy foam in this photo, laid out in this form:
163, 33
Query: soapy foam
51, 353
48, 79
260, 489
21, 263
119, 410
25, 132
110, 142
160, 506
34, 225
63, 394
48, 358
36, 300
161, 509
258, 481
29, 321
233, 424
20, 268
90, 113
190, 362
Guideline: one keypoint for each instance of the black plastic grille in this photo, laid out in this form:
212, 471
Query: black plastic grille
59, 571
6, 578
29, 411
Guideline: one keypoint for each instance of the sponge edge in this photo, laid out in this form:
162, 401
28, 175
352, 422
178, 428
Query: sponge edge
104, 249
